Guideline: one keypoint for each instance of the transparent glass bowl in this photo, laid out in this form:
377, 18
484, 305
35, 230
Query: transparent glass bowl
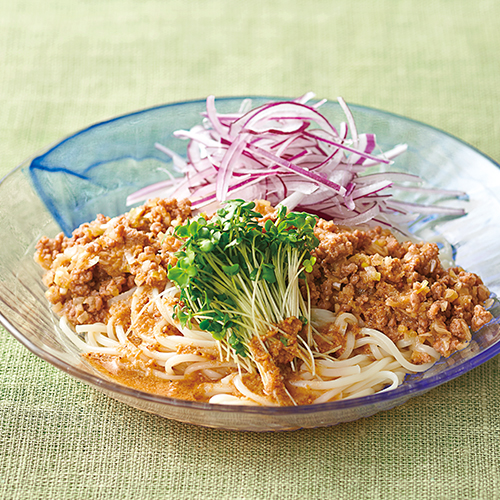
94, 170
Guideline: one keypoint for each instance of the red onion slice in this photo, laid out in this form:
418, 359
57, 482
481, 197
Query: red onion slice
288, 152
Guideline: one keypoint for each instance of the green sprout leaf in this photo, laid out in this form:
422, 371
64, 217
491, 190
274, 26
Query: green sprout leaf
241, 276
206, 245
231, 270
268, 273
308, 264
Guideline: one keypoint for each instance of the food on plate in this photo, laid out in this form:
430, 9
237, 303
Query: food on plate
276, 267
255, 304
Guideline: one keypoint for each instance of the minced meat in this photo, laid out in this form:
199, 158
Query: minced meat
107, 257
398, 288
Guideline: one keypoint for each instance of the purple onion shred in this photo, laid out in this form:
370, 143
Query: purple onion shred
288, 152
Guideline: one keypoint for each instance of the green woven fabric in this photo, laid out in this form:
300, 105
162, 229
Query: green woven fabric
65, 65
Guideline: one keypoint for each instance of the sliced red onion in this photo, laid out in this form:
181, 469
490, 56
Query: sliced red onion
288, 152
367, 143
152, 191
178, 160
296, 197
425, 190
228, 165
388, 155
300, 171
214, 119
204, 139
366, 190
389, 176
425, 209
350, 121
350, 149
306, 97
256, 120
362, 218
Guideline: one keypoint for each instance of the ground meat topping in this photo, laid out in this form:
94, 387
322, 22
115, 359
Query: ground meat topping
387, 285
107, 257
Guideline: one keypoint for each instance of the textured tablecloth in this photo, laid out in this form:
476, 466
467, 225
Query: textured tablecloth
64, 65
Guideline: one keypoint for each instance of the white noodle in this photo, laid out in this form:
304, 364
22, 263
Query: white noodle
428, 350
120, 333
211, 374
63, 323
401, 344
106, 341
228, 399
174, 341
319, 385
349, 376
180, 358
204, 365
90, 338
343, 320
349, 345
391, 348
338, 372
321, 317
328, 395
167, 313
110, 330
336, 363
95, 327
157, 355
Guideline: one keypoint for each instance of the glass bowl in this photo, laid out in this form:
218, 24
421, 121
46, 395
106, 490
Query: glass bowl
94, 170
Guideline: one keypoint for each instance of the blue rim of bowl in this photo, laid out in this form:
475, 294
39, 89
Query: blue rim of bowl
403, 392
